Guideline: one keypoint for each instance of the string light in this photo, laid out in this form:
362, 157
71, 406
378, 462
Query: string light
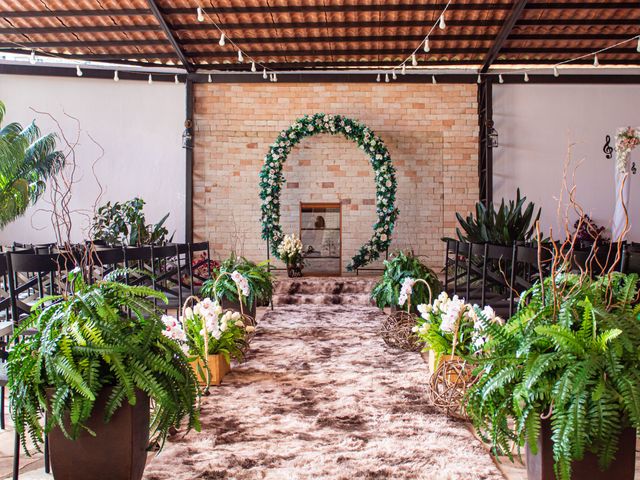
32, 58
442, 23
479, 80
526, 77
240, 57
596, 63
414, 60
556, 72
253, 66
200, 15
275, 77
386, 78
427, 48
221, 42
176, 81
150, 79
264, 73
378, 78
500, 79
638, 48
78, 71
404, 69
116, 78
433, 79
393, 75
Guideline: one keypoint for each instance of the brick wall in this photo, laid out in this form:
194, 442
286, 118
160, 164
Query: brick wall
430, 131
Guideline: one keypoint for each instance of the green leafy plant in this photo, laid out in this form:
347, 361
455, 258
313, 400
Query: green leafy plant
125, 223
402, 265
570, 354
84, 343
27, 160
505, 226
258, 276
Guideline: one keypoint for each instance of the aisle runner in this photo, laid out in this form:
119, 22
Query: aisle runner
321, 397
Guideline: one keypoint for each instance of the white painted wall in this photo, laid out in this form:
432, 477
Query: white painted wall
536, 123
138, 125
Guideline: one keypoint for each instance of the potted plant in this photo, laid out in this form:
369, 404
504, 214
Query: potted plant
222, 286
401, 266
210, 337
290, 252
96, 359
562, 377
450, 328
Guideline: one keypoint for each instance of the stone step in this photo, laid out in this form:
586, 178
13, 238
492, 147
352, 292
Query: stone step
324, 285
323, 299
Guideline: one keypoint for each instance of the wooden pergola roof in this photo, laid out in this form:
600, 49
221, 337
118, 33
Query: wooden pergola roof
322, 34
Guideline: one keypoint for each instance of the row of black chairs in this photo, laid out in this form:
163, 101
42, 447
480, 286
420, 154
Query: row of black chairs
495, 275
30, 272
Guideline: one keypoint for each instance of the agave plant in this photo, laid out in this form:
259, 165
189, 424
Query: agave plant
27, 160
503, 227
570, 354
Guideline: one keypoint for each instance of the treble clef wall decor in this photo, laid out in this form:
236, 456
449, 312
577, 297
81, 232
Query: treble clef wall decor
607, 149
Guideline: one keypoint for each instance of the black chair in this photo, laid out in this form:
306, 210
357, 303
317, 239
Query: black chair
166, 269
630, 259
107, 260
194, 266
497, 265
6, 329
138, 258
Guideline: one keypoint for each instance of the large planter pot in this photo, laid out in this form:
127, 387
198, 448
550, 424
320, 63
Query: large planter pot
540, 466
235, 306
117, 452
218, 368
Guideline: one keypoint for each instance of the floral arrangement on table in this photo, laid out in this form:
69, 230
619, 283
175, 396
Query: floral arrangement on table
447, 319
272, 180
290, 252
627, 139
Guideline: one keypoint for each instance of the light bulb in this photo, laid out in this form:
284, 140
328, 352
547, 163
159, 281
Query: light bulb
596, 63
404, 69
275, 77
264, 73
32, 58
253, 66
427, 48
200, 15
526, 77
433, 79
115, 76
221, 42
150, 79
442, 23
479, 79
414, 60
638, 49
556, 73
209, 79
386, 78
78, 71
240, 57
393, 75
378, 78
500, 79
176, 79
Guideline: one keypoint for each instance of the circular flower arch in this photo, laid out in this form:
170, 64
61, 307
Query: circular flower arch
272, 179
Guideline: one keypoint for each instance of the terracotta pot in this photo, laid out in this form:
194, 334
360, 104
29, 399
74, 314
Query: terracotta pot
218, 368
235, 306
117, 452
540, 466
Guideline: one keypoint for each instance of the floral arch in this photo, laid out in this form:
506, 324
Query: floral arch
272, 179
627, 139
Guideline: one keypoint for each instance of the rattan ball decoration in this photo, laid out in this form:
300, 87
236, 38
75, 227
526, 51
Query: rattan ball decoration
397, 331
448, 386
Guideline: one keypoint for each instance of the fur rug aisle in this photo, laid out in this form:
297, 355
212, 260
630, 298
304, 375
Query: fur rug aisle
321, 397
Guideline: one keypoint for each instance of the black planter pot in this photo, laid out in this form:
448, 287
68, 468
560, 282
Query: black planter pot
235, 306
540, 466
117, 452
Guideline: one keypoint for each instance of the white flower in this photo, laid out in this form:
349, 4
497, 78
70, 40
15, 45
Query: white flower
383, 237
239, 323
250, 329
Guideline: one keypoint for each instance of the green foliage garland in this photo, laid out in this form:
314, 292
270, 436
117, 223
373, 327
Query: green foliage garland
272, 179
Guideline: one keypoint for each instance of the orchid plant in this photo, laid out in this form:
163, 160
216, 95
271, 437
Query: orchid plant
449, 326
290, 250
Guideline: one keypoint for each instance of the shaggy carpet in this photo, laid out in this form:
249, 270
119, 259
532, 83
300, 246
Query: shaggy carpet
321, 397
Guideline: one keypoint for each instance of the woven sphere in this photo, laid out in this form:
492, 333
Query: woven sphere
396, 331
448, 386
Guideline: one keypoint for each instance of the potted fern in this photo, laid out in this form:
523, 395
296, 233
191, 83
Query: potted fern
562, 377
97, 360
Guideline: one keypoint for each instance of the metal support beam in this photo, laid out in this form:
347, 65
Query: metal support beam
189, 126
169, 33
503, 34
485, 152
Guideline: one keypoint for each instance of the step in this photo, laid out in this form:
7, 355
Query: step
324, 285
323, 299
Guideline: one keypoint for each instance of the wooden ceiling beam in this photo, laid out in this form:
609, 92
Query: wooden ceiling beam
170, 36
503, 34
